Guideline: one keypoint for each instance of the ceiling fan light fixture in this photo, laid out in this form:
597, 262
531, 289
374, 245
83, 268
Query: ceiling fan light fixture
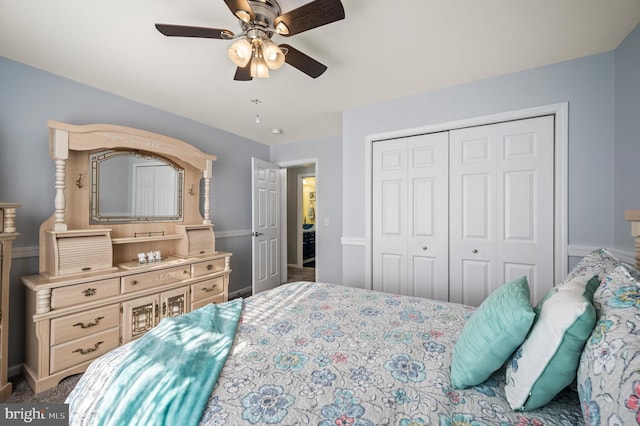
273, 56
259, 68
281, 28
243, 15
240, 52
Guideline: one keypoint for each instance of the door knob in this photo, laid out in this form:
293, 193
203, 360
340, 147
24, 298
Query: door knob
256, 234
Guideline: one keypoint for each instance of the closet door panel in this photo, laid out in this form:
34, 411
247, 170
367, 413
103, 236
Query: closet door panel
526, 203
428, 221
389, 219
476, 283
410, 216
513, 271
502, 206
519, 206
393, 269
475, 202
423, 278
472, 198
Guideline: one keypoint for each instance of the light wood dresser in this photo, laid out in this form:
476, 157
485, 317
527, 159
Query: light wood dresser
7, 235
130, 243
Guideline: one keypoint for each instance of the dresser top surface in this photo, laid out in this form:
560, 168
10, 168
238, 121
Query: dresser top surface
43, 281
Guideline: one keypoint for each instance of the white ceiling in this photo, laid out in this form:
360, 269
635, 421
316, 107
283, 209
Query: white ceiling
380, 51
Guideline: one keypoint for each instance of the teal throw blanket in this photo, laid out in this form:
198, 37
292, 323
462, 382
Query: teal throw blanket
169, 373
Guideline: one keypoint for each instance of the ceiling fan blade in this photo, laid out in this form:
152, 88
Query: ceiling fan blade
240, 5
309, 16
304, 63
200, 32
243, 74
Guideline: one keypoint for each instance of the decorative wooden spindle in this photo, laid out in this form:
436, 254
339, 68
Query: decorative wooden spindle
206, 175
633, 216
9, 220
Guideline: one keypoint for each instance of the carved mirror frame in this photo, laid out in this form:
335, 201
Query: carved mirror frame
64, 138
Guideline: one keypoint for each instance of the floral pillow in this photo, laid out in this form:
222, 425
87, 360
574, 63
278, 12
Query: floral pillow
609, 371
600, 262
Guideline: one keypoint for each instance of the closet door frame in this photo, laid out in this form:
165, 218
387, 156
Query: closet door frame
560, 111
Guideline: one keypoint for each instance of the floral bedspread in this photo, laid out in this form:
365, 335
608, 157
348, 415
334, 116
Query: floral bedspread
323, 354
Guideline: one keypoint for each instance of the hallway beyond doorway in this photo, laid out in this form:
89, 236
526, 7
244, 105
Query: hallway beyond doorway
300, 274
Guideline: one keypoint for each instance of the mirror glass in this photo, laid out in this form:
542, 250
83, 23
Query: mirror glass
134, 186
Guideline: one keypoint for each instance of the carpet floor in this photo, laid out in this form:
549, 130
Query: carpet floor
22, 393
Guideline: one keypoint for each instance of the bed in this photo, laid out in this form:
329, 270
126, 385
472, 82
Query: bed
324, 354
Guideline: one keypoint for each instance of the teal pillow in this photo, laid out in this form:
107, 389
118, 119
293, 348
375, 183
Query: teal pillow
548, 359
492, 334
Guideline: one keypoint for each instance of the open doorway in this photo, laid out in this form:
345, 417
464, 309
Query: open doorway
301, 223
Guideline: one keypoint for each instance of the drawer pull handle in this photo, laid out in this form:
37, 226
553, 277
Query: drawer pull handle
90, 324
134, 282
89, 292
202, 251
209, 267
88, 351
86, 268
208, 289
185, 272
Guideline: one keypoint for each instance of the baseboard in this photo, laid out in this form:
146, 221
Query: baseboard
237, 293
14, 370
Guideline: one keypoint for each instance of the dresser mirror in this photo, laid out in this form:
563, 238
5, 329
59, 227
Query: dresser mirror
134, 186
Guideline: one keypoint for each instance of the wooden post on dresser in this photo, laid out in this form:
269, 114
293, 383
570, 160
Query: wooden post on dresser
7, 235
60, 154
633, 216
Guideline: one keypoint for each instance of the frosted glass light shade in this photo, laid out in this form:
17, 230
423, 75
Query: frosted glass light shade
272, 54
259, 68
240, 52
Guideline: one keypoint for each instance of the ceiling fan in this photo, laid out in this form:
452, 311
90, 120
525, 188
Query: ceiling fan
254, 52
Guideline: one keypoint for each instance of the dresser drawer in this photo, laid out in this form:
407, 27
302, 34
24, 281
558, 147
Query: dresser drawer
85, 292
155, 278
203, 268
207, 288
84, 324
200, 303
78, 351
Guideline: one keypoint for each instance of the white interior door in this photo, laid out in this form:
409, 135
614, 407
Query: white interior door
266, 217
410, 220
501, 208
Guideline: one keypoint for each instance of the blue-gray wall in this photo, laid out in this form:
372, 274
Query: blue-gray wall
627, 126
29, 97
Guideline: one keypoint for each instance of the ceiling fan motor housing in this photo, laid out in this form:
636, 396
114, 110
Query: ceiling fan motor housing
261, 26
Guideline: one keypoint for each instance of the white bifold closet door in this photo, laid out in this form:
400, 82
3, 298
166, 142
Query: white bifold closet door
410, 216
501, 208
456, 214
